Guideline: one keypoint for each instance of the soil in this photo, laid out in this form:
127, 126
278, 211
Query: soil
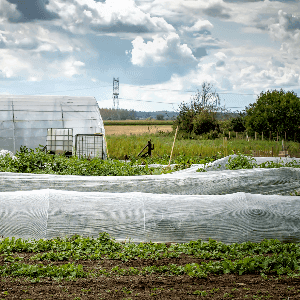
155, 286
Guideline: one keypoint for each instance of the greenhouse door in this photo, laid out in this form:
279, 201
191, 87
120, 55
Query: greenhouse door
89, 145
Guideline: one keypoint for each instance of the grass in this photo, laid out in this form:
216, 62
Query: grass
121, 145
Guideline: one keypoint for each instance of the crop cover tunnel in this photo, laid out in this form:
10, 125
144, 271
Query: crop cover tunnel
228, 206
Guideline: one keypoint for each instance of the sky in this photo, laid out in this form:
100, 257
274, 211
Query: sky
162, 51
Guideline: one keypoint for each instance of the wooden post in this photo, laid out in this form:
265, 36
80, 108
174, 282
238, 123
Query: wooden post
229, 135
262, 136
173, 147
295, 137
236, 135
277, 136
255, 135
272, 151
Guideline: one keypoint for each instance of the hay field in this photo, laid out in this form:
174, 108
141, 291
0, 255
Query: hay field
135, 129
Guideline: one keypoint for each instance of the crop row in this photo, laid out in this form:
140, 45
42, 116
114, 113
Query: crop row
105, 245
38, 162
277, 264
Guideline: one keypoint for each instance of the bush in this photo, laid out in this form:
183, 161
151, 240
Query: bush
275, 111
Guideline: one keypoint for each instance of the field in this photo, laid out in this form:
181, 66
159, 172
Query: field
136, 129
130, 145
85, 268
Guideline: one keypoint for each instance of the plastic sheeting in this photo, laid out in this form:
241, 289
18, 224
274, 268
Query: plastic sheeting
24, 120
226, 205
239, 217
281, 181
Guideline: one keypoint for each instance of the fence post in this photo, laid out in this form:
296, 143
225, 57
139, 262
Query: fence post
236, 135
295, 137
262, 136
255, 135
229, 135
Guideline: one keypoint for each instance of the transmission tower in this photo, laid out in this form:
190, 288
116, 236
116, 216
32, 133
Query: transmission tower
116, 92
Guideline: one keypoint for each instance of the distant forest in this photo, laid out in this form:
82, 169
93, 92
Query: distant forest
124, 114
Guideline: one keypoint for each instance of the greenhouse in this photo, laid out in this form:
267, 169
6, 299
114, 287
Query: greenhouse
62, 124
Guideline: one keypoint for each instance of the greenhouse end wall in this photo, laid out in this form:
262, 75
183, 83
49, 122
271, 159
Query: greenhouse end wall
25, 120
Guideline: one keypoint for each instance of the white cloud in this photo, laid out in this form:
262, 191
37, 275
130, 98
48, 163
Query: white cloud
200, 25
287, 30
164, 50
112, 16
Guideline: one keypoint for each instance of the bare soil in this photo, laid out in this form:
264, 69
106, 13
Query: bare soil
155, 286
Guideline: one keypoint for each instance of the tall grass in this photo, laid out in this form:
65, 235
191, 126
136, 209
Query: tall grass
121, 145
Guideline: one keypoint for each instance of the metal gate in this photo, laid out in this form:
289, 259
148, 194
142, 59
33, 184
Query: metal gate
89, 145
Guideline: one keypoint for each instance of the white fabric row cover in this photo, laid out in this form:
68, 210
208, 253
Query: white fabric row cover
145, 217
281, 181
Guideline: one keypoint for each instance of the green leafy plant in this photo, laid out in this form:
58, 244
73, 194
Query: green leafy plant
241, 162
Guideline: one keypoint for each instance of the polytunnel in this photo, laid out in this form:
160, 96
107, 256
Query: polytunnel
226, 205
64, 124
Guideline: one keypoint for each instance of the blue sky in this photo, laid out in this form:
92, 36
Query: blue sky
161, 50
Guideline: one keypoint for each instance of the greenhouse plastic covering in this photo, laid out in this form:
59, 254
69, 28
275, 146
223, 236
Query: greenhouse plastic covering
229, 206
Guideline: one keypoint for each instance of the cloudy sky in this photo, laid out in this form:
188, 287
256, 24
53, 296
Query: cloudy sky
161, 50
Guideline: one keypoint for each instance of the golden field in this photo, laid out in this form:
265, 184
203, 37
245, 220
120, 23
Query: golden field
136, 129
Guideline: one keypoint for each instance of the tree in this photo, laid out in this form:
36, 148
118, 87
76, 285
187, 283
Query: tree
199, 116
275, 111
159, 117
207, 96
238, 123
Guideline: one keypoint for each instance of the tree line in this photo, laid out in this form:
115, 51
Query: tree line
274, 113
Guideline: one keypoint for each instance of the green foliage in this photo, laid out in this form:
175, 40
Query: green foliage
267, 257
247, 162
39, 162
199, 116
240, 162
237, 124
275, 111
